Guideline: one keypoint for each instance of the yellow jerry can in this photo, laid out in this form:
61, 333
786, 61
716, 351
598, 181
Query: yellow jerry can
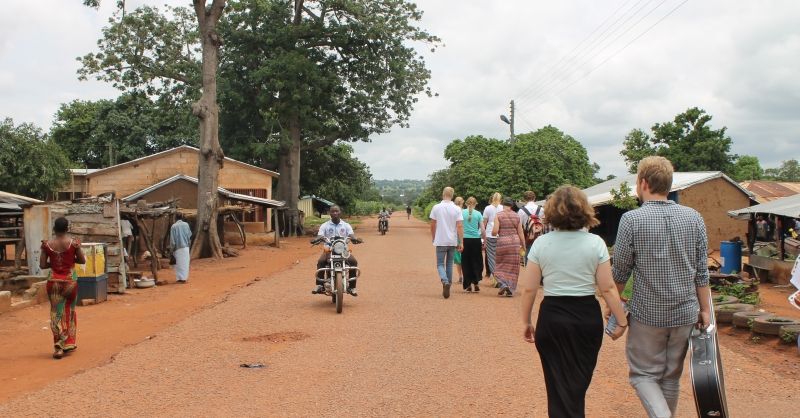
95, 260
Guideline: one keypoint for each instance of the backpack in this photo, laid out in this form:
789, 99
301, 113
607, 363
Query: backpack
533, 228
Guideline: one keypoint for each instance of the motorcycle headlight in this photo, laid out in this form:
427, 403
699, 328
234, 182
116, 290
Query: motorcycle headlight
339, 248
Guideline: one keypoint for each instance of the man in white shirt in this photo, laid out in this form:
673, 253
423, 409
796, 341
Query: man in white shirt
447, 233
336, 227
489, 213
530, 208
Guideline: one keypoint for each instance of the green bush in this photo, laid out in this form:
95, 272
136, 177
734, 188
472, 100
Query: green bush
426, 213
738, 290
372, 207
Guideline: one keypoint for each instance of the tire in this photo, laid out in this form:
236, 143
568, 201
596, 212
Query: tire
724, 313
772, 325
742, 319
789, 333
339, 295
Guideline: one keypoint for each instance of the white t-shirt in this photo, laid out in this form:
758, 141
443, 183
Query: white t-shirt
330, 229
126, 227
447, 216
489, 213
531, 207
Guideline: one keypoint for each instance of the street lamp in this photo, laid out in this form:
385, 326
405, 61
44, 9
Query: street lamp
510, 121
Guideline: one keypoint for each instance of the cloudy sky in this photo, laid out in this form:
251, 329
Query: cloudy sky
594, 69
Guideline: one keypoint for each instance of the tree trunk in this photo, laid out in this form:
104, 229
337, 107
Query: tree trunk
211, 157
289, 169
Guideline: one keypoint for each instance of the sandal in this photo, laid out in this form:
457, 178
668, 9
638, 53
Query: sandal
58, 353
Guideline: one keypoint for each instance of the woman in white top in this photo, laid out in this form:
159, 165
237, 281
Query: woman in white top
571, 264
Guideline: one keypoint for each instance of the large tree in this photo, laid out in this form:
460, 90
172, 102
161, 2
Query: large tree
335, 174
747, 167
303, 75
147, 51
789, 170
96, 134
540, 161
30, 164
687, 141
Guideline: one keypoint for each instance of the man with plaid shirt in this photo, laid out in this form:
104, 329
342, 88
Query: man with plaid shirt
665, 246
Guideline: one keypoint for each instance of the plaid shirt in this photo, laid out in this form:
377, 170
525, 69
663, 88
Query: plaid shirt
665, 246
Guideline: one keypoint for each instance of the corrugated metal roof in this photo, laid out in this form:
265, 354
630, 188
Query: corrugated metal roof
176, 149
787, 206
766, 191
225, 192
15, 199
600, 194
319, 199
83, 171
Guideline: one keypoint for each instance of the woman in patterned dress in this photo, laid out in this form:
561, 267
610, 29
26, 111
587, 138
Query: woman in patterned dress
510, 240
60, 254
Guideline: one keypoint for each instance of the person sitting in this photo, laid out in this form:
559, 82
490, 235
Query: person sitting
336, 227
384, 216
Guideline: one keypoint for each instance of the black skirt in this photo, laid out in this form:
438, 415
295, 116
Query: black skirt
472, 261
569, 333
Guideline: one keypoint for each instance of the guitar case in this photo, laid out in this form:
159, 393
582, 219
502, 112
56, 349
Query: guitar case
708, 384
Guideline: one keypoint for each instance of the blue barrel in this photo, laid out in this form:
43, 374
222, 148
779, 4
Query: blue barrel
731, 254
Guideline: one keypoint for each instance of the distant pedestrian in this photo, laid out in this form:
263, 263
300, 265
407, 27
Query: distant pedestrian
472, 256
489, 212
510, 243
408, 212
531, 216
180, 238
665, 246
60, 254
126, 229
459, 202
447, 233
569, 329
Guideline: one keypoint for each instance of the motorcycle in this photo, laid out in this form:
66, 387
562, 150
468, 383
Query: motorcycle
383, 224
334, 275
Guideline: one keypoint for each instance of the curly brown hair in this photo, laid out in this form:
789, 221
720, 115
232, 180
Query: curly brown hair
568, 209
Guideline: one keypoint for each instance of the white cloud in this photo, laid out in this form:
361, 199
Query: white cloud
738, 60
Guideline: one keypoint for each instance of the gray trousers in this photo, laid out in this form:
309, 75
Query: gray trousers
655, 356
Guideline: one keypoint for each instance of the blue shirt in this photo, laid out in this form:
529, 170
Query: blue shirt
180, 235
569, 261
472, 227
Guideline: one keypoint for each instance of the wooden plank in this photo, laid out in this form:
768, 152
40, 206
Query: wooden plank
11, 228
86, 217
110, 230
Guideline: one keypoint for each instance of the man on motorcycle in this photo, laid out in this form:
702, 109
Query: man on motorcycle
384, 216
336, 227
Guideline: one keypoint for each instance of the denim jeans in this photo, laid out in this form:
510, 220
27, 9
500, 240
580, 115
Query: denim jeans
655, 356
444, 263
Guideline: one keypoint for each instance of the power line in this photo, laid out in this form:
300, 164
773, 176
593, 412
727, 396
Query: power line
555, 66
600, 48
537, 105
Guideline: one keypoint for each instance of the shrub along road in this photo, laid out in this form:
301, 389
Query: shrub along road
397, 349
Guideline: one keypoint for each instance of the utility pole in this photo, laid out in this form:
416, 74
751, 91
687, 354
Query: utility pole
510, 122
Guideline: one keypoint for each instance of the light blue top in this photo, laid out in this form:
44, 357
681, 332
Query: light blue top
180, 235
472, 228
569, 261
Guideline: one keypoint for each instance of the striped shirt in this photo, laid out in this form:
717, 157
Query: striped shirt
665, 246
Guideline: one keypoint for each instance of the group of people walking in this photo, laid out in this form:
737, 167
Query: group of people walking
661, 246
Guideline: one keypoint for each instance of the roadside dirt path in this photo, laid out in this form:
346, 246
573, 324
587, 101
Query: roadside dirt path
398, 349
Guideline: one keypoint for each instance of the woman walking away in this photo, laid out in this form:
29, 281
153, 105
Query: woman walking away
489, 214
60, 254
459, 202
510, 241
569, 329
472, 256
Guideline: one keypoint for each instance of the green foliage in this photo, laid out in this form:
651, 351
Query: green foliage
130, 127
426, 212
788, 171
687, 141
540, 161
747, 167
366, 208
623, 199
628, 291
30, 164
789, 336
400, 191
335, 174
738, 290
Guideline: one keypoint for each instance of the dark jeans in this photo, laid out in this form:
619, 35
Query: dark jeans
324, 261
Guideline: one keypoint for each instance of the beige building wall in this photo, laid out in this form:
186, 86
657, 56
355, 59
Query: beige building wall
129, 178
713, 199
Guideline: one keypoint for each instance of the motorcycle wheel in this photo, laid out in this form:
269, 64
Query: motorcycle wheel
339, 295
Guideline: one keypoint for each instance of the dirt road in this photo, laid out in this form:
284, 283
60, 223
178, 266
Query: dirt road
398, 349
